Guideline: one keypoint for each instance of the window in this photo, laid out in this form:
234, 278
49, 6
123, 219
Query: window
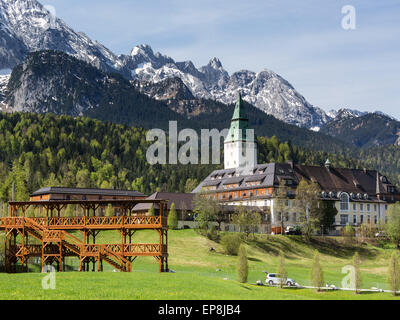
354, 219
361, 207
344, 202
375, 219
386, 206
375, 207
354, 207
344, 219
369, 218
361, 218
368, 207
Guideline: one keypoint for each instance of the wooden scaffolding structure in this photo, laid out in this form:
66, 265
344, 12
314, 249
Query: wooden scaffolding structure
54, 240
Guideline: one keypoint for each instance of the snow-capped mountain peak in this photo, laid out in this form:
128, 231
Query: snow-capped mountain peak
29, 26
26, 26
345, 113
215, 63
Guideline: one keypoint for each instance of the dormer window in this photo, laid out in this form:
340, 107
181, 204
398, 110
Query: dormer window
289, 182
344, 202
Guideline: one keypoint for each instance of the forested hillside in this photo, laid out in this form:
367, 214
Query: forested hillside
370, 130
49, 150
55, 82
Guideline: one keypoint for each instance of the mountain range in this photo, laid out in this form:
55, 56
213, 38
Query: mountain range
168, 89
55, 82
27, 26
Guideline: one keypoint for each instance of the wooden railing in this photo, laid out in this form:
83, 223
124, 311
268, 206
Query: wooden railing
139, 221
137, 249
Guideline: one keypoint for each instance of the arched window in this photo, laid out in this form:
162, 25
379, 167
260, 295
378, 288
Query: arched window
344, 202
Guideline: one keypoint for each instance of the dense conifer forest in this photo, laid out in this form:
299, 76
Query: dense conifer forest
48, 150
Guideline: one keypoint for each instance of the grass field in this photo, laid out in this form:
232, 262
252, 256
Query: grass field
203, 274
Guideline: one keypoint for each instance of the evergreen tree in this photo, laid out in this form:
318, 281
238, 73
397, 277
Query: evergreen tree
316, 275
190, 185
172, 218
282, 273
357, 274
70, 210
110, 211
243, 267
393, 224
393, 277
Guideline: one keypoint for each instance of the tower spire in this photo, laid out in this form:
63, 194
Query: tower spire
240, 149
239, 113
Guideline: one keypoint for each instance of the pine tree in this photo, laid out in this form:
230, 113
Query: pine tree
172, 217
357, 274
243, 267
282, 273
316, 275
393, 277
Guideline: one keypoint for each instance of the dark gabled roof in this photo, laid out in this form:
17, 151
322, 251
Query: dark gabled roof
341, 179
233, 180
212, 183
330, 179
256, 177
87, 191
182, 201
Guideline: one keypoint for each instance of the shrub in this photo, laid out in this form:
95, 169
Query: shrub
231, 243
213, 234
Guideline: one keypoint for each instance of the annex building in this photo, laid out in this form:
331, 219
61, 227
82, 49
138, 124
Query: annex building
360, 196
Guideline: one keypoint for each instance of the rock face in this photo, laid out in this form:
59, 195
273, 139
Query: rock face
3, 87
364, 129
266, 90
26, 26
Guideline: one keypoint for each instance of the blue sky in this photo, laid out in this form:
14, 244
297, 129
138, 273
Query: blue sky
303, 41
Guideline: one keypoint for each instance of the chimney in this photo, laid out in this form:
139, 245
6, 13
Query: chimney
378, 187
328, 164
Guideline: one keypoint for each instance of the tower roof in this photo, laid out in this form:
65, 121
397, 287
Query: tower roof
239, 123
239, 113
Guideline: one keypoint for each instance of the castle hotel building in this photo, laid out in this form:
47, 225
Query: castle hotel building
360, 196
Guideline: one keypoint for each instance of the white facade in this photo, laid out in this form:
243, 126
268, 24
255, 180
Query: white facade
239, 154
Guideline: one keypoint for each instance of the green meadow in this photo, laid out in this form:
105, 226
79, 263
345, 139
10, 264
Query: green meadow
203, 274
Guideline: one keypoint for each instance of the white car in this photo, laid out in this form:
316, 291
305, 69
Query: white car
274, 279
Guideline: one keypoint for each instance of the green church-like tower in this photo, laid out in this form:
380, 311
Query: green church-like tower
240, 147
